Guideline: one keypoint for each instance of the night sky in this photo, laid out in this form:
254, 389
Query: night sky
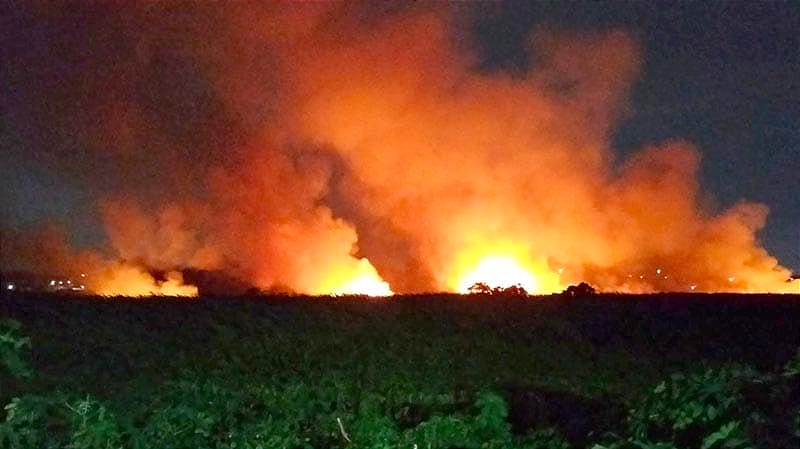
723, 75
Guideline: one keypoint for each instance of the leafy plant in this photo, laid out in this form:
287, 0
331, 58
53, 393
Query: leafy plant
687, 407
26, 424
792, 367
365, 376
12, 345
92, 426
729, 435
791, 371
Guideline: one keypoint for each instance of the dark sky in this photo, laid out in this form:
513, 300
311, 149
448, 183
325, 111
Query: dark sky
723, 75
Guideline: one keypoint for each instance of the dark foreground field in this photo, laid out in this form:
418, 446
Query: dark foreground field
432, 371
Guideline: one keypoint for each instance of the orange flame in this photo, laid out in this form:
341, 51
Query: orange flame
498, 271
503, 267
362, 280
126, 280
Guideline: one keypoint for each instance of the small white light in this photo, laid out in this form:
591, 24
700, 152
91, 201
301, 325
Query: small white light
52, 283
560, 270
60, 282
641, 276
10, 286
731, 279
69, 282
692, 287
83, 275
82, 287
658, 270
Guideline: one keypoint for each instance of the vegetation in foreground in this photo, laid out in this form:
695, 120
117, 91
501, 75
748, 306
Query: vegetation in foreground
438, 372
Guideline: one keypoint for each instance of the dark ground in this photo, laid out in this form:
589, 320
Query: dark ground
606, 343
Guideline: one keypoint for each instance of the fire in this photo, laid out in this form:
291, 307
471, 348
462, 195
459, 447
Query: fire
365, 280
126, 280
420, 169
504, 269
499, 271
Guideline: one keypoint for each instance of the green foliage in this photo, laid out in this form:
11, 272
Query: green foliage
54, 422
208, 415
490, 421
635, 444
26, 423
696, 402
729, 435
12, 345
363, 376
792, 371
544, 439
487, 427
792, 367
92, 426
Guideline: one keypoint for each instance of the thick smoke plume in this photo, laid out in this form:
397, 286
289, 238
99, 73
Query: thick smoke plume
308, 147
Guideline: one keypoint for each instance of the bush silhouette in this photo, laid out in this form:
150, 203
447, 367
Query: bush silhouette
481, 288
579, 291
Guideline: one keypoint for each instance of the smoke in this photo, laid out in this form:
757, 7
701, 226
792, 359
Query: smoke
46, 252
312, 147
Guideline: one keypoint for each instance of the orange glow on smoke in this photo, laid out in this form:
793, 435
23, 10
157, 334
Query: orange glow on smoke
316, 166
127, 280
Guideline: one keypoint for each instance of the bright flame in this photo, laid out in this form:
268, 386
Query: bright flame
365, 285
498, 271
503, 266
364, 281
127, 280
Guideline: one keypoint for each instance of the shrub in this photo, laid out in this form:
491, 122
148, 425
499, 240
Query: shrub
92, 426
12, 346
698, 409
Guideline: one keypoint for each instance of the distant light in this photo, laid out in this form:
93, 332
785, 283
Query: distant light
641, 276
731, 279
52, 283
666, 276
69, 282
82, 287
60, 282
692, 287
10, 286
560, 270
83, 275
658, 270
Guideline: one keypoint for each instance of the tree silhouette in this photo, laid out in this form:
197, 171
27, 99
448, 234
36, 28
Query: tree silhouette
579, 291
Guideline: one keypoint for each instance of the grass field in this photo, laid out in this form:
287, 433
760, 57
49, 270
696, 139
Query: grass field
356, 372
